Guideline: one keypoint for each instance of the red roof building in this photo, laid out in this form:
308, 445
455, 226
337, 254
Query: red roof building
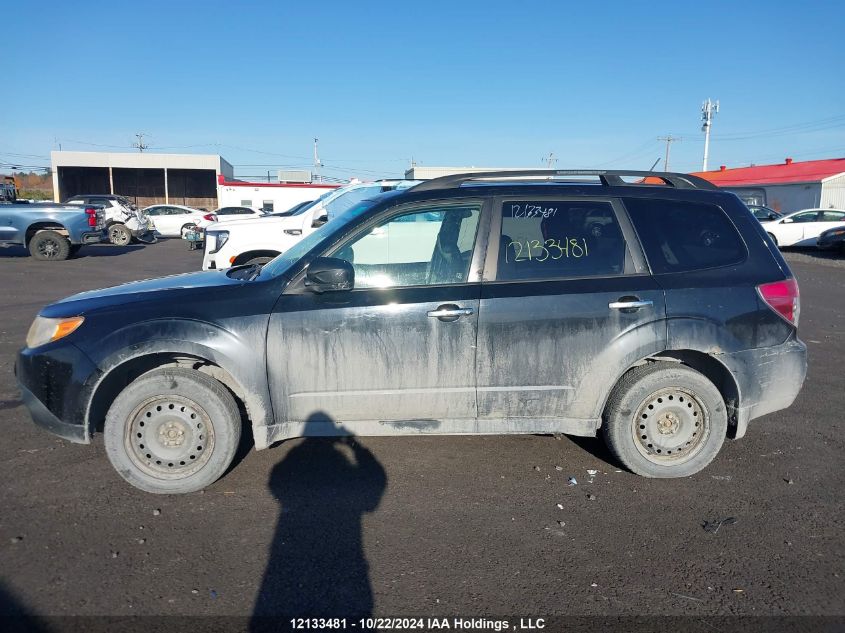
788, 186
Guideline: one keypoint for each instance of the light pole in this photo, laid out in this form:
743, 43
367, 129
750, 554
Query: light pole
708, 109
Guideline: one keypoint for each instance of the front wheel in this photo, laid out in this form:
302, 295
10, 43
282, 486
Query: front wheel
665, 420
172, 431
774, 239
119, 235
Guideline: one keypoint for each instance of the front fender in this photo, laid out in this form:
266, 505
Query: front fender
241, 355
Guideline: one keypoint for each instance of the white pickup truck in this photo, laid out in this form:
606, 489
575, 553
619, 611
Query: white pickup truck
258, 240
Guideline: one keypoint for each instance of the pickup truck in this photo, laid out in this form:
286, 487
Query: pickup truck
50, 231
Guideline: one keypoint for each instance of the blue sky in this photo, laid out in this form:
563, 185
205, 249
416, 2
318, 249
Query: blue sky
444, 83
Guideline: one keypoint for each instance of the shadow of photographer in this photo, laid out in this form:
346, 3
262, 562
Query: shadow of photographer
317, 566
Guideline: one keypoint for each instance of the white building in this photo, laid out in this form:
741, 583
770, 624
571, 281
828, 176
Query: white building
145, 177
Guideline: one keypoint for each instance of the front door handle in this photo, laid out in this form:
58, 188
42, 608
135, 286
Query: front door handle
629, 303
449, 312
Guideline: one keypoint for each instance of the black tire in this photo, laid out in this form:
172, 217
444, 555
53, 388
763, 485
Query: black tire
119, 235
665, 420
259, 260
774, 239
172, 431
49, 246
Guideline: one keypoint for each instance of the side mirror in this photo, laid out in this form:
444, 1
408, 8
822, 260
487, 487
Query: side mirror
318, 222
787, 221
329, 274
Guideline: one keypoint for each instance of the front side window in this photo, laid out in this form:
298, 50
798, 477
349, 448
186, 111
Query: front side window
543, 239
681, 236
154, 211
810, 216
424, 247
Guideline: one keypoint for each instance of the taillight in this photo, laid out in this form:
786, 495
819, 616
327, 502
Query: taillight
210, 217
91, 212
782, 297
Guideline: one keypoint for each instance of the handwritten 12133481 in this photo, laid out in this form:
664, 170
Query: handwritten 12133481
540, 251
532, 211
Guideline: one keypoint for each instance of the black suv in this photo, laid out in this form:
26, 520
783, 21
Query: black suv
650, 307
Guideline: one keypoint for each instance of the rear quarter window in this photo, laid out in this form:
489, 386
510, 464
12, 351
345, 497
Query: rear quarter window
682, 236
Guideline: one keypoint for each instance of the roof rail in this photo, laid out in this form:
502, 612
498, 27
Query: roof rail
608, 178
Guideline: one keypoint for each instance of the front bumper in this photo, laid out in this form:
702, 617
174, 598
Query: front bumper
830, 244
56, 383
146, 236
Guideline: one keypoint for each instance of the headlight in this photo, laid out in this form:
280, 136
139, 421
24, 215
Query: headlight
44, 330
216, 240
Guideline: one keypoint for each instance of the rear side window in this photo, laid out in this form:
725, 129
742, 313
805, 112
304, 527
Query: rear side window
547, 239
681, 236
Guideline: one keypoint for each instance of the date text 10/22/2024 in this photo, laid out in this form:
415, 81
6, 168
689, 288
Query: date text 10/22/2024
424, 624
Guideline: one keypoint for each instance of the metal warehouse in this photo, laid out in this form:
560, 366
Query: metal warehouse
788, 186
146, 178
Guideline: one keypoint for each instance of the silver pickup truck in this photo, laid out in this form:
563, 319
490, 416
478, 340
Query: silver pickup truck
51, 231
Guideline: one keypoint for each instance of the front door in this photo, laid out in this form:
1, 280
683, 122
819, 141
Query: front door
397, 353
567, 304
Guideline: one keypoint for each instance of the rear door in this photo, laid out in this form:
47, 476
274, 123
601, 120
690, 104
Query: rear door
566, 305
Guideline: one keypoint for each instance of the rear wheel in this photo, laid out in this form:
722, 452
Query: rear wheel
49, 246
172, 431
665, 420
119, 235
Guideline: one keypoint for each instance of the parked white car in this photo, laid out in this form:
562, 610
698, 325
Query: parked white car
801, 228
170, 220
229, 214
259, 241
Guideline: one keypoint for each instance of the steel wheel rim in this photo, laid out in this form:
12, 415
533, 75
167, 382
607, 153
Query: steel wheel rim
48, 247
169, 437
671, 426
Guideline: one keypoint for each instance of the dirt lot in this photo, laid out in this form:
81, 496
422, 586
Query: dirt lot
451, 526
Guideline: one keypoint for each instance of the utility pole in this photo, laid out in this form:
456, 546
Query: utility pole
550, 160
669, 140
140, 145
317, 161
708, 109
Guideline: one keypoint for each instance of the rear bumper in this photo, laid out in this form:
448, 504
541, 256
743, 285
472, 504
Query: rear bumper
93, 238
769, 379
56, 382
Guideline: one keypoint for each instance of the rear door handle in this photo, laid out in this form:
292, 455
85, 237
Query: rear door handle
632, 304
449, 312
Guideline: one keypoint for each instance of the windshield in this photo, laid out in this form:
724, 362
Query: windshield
296, 252
305, 207
348, 199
